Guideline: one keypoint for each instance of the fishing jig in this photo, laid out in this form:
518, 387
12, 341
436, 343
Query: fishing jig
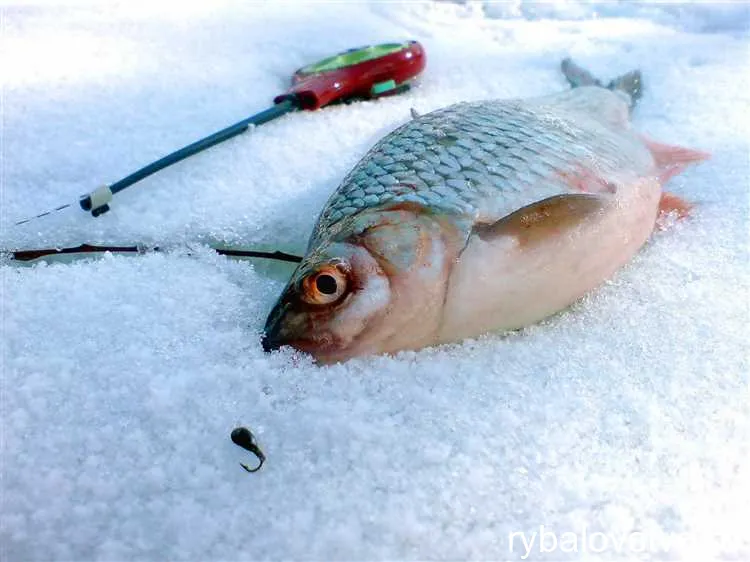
244, 438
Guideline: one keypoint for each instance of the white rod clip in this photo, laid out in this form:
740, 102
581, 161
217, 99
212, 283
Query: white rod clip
97, 201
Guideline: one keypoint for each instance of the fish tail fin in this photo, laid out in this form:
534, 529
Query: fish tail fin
577, 76
630, 83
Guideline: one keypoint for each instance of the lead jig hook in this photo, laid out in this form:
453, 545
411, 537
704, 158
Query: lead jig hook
244, 438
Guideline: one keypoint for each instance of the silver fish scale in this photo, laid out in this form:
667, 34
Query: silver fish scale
489, 158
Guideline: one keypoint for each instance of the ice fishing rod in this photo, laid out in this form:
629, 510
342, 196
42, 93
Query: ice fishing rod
28, 256
362, 73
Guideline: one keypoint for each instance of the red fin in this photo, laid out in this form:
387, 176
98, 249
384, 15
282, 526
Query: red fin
671, 159
671, 206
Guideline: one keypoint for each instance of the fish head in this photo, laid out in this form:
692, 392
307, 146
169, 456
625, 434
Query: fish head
375, 285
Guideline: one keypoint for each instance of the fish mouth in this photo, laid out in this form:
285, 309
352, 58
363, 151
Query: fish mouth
273, 336
269, 344
270, 340
277, 335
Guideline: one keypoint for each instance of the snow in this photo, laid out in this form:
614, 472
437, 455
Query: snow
122, 377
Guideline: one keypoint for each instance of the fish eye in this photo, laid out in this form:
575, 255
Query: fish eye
325, 286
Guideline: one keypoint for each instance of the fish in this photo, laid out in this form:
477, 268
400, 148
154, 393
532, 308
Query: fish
479, 217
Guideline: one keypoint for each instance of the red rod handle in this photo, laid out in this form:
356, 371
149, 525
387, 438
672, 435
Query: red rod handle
316, 86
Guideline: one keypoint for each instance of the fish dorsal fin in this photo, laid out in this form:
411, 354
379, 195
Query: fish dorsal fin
542, 219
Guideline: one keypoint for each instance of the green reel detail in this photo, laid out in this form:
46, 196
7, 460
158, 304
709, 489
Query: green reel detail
383, 87
355, 56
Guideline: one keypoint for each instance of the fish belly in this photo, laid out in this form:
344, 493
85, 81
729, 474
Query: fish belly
502, 283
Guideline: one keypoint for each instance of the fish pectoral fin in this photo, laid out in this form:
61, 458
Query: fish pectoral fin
544, 219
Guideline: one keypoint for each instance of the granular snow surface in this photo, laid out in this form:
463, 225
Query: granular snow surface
619, 429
